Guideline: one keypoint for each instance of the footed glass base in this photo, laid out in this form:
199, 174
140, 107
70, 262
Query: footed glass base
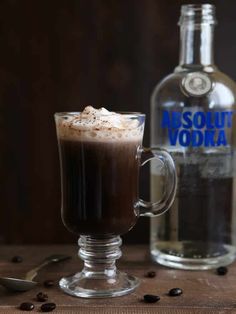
98, 286
99, 277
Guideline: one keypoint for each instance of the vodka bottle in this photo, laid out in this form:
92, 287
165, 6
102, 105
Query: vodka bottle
193, 118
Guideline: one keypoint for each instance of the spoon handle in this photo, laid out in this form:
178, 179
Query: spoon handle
48, 260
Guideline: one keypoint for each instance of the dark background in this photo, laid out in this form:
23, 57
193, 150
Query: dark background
61, 55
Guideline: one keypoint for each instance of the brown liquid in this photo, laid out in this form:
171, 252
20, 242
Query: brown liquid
99, 186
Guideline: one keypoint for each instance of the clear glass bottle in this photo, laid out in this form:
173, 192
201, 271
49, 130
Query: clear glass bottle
193, 118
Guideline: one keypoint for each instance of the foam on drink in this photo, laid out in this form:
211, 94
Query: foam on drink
99, 124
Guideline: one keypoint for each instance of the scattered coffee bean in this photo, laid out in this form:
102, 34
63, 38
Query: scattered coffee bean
17, 259
48, 307
221, 271
26, 306
150, 298
151, 274
42, 297
49, 283
175, 292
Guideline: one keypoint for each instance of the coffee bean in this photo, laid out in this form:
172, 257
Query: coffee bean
151, 274
49, 283
26, 306
17, 259
175, 292
150, 298
221, 271
42, 297
48, 307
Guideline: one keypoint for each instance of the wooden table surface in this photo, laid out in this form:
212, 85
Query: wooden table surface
204, 291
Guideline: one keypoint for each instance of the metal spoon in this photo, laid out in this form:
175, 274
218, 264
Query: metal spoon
27, 282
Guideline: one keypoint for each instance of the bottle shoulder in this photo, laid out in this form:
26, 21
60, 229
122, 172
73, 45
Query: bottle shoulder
170, 92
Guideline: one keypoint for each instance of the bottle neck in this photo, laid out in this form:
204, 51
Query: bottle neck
196, 45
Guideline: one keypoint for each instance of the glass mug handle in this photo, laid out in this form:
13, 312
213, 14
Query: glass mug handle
153, 209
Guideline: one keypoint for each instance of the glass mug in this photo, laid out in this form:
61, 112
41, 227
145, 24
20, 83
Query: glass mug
99, 183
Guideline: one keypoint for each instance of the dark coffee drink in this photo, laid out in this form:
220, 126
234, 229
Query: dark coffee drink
99, 186
100, 172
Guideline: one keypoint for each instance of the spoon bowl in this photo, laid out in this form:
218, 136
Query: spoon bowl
16, 284
27, 283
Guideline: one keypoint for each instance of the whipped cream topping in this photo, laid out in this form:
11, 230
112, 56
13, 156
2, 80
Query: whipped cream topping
99, 124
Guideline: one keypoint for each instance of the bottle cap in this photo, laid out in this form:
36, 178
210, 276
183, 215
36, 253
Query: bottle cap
198, 14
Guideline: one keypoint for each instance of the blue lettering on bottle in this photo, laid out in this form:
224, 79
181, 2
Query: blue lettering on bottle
209, 138
184, 138
197, 138
173, 134
198, 128
209, 120
165, 119
199, 120
176, 119
221, 138
187, 120
220, 119
229, 119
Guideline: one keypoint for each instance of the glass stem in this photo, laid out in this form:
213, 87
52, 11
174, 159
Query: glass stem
99, 255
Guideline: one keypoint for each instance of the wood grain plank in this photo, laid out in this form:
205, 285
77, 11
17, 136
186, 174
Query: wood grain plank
204, 291
76, 310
